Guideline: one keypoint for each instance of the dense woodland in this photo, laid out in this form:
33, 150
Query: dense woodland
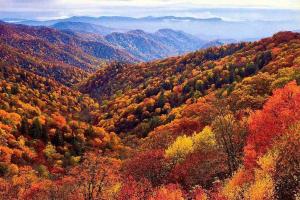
221, 123
64, 56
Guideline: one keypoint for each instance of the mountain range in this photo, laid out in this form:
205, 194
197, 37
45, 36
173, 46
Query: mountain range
144, 46
85, 45
50, 52
210, 28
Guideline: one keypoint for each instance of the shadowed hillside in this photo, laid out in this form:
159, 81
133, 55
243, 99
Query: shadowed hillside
52, 53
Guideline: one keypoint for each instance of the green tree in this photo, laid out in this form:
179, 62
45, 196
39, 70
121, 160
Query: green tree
160, 101
24, 127
58, 139
90, 131
36, 130
45, 136
15, 89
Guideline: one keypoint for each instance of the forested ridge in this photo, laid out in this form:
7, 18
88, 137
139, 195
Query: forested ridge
64, 56
220, 123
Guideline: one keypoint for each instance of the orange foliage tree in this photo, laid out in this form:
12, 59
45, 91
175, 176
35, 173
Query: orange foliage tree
280, 112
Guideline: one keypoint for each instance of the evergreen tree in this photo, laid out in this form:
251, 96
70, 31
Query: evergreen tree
160, 101
36, 129
78, 147
45, 136
90, 131
15, 89
24, 128
58, 139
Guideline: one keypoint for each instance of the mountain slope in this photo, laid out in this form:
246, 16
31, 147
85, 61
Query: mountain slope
44, 123
179, 40
75, 43
53, 53
139, 94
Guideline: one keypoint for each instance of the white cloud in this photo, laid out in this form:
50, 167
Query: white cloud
75, 4
214, 3
58, 8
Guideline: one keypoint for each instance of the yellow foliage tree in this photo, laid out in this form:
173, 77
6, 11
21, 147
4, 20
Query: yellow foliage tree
182, 146
204, 139
185, 145
263, 186
49, 150
236, 186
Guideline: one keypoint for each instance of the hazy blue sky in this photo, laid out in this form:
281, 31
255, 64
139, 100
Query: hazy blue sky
47, 9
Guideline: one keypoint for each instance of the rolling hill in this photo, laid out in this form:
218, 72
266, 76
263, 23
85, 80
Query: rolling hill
210, 28
52, 53
72, 46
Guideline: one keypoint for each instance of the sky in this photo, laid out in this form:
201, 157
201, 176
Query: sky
48, 9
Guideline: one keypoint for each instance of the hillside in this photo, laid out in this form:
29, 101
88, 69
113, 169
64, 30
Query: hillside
179, 40
38, 114
51, 53
85, 46
136, 94
210, 27
219, 123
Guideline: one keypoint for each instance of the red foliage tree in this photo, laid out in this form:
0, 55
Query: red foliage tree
149, 165
199, 168
279, 113
135, 190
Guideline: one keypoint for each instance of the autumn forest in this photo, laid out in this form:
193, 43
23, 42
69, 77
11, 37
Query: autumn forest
80, 119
